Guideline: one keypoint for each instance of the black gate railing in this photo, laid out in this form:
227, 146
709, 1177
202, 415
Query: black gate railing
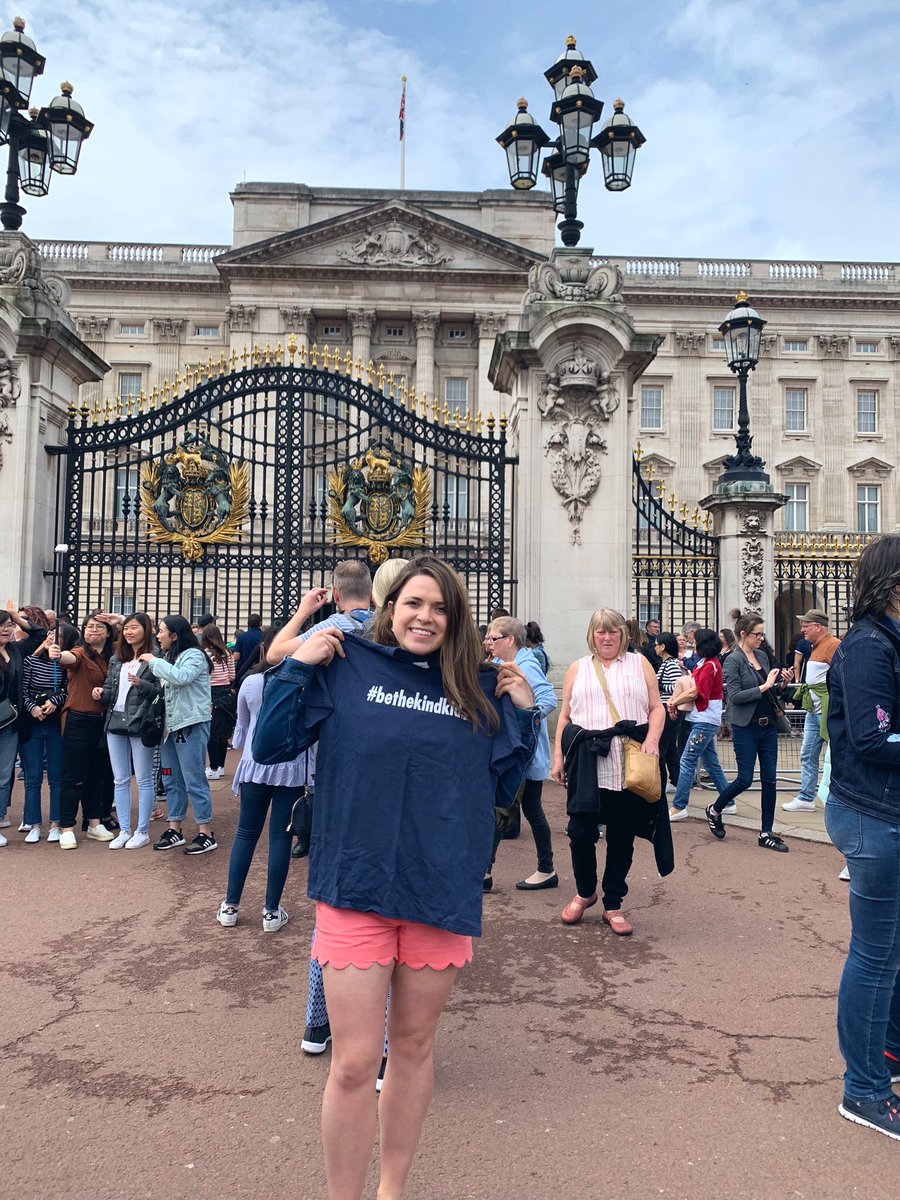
258, 453
675, 563
813, 570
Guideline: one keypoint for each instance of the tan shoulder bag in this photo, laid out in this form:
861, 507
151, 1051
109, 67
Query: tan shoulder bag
641, 770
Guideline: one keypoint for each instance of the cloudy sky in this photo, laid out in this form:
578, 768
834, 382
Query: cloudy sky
772, 128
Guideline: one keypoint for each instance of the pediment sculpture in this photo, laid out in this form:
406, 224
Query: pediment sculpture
394, 246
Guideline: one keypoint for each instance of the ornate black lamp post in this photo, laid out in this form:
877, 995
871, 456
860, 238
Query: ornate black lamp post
48, 139
575, 110
742, 331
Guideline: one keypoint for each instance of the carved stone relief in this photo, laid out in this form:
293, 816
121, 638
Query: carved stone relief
168, 329
240, 317
362, 321
298, 321
93, 328
752, 530
833, 345
575, 396
489, 324
10, 389
767, 344
425, 323
573, 279
396, 245
690, 343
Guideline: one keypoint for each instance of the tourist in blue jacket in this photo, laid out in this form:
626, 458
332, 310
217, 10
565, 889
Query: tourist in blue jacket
862, 816
417, 741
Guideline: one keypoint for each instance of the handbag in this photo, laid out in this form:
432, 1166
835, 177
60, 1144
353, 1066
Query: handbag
153, 719
641, 770
9, 714
117, 723
300, 821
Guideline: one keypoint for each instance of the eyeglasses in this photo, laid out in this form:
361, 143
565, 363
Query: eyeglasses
502, 637
761, 634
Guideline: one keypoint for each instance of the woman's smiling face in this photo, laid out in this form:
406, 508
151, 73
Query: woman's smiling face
419, 616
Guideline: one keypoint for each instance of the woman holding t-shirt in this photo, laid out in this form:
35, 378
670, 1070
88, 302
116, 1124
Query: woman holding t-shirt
398, 897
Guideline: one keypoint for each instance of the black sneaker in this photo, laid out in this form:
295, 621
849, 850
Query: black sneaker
715, 822
380, 1080
487, 883
171, 838
770, 841
202, 844
316, 1038
893, 1065
883, 1115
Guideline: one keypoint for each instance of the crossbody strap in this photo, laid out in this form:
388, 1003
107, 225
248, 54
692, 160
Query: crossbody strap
601, 675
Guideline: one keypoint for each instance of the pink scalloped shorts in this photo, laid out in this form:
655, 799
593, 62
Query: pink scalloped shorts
346, 938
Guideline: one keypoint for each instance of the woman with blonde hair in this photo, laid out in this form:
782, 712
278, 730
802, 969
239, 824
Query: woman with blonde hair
607, 695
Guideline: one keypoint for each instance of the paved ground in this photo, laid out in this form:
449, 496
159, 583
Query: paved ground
149, 1053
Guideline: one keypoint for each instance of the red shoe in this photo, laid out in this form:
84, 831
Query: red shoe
575, 909
619, 924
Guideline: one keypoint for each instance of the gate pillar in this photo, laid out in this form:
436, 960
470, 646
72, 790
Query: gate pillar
570, 370
744, 521
42, 363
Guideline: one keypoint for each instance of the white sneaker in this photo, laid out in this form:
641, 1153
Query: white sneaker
273, 921
53, 835
227, 914
67, 840
119, 841
3, 841
799, 805
732, 807
218, 773
23, 828
99, 833
209, 772
33, 835
844, 876
137, 840
678, 814
4, 823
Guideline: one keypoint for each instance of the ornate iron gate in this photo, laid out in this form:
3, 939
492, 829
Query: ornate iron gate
814, 570
246, 489
675, 563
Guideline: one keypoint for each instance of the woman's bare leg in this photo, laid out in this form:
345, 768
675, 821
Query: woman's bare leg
417, 1000
355, 1000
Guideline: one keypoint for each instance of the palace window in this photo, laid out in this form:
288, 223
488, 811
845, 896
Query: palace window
198, 606
331, 408
130, 384
457, 335
456, 393
651, 408
395, 331
795, 409
718, 343
121, 603
456, 497
126, 504
128, 330
796, 345
796, 511
649, 610
868, 503
332, 331
866, 347
867, 410
206, 331
723, 409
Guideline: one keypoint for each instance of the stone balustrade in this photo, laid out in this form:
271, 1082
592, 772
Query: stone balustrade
84, 255
752, 273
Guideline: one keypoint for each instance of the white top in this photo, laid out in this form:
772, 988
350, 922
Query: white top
588, 708
125, 685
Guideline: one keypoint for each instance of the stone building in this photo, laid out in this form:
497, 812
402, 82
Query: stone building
428, 287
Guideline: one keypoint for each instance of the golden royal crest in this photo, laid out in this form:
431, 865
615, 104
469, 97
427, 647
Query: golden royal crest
194, 497
379, 501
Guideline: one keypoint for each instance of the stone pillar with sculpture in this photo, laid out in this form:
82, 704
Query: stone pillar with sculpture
744, 517
569, 370
43, 362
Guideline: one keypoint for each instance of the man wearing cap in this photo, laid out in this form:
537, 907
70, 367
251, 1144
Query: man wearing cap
813, 697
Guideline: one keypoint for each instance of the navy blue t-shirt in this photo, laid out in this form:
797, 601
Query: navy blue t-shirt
405, 790
247, 643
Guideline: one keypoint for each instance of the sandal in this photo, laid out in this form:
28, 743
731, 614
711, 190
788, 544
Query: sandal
157, 815
575, 909
619, 924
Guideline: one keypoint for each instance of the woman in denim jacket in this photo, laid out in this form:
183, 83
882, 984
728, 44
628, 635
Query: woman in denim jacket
184, 670
863, 821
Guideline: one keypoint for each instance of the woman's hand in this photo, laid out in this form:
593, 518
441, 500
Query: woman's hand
48, 708
558, 768
146, 657
511, 682
97, 693
321, 648
772, 679
53, 651
38, 713
650, 745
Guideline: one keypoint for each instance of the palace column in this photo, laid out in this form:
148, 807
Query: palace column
425, 324
301, 322
362, 326
93, 332
834, 419
167, 331
488, 325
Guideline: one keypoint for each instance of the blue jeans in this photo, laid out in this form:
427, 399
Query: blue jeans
9, 745
184, 773
45, 743
700, 747
255, 799
123, 751
869, 995
810, 753
752, 742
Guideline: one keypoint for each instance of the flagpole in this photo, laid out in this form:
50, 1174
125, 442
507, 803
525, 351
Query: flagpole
403, 136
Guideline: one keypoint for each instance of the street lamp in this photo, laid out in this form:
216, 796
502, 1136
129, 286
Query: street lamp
576, 111
742, 331
48, 139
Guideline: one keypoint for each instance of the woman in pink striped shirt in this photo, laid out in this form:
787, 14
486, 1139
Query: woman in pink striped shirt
224, 699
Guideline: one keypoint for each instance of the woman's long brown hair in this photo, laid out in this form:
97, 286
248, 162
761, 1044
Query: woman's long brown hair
461, 652
124, 651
